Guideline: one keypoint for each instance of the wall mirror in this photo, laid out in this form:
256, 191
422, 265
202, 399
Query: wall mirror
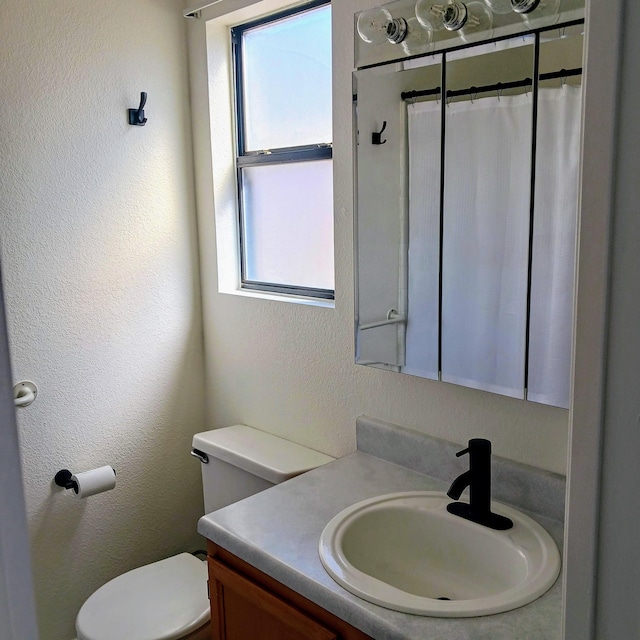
467, 200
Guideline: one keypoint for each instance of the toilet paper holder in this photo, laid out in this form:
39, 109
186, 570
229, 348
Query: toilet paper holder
64, 479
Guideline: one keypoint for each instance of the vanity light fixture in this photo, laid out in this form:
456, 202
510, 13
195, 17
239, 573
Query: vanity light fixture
378, 25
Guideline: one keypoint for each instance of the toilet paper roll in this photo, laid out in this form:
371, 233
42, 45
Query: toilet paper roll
89, 483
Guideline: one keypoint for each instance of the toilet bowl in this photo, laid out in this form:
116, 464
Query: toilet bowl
167, 600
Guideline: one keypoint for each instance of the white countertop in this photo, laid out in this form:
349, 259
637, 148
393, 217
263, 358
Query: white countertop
278, 531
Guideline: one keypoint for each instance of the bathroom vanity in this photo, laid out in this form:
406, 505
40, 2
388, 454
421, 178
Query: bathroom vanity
247, 603
265, 570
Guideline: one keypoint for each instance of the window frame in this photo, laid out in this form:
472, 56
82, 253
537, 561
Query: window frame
263, 157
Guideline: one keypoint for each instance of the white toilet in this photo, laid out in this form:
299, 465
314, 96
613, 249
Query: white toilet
167, 600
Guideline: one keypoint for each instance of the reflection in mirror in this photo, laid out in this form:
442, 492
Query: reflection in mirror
487, 203
555, 217
383, 259
465, 257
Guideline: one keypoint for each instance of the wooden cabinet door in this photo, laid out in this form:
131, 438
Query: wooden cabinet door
243, 610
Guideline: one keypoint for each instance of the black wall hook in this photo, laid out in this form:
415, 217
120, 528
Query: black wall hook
136, 116
376, 136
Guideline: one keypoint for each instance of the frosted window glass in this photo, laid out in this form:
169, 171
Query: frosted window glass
288, 224
287, 82
486, 242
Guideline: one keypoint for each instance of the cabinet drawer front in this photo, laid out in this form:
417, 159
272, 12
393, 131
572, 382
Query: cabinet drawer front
247, 611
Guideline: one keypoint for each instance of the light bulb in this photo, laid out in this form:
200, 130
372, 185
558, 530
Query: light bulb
499, 6
377, 25
372, 25
542, 12
471, 20
419, 38
430, 14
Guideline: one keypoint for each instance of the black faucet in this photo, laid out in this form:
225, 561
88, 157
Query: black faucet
478, 479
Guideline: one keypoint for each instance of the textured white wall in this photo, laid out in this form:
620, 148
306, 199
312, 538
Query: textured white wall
289, 369
100, 267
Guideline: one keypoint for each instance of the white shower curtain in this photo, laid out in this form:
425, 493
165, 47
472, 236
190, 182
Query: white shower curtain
486, 242
424, 129
554, 245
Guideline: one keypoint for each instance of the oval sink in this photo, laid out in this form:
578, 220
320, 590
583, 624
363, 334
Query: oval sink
406, 552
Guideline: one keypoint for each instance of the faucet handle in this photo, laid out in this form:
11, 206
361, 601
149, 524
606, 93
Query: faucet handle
480, 446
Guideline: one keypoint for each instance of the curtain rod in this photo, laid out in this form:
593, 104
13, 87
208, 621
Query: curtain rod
499, 86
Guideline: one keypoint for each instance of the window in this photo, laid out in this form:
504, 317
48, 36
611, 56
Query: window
284, 148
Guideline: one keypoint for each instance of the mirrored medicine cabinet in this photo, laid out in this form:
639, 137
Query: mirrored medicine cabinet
467, 208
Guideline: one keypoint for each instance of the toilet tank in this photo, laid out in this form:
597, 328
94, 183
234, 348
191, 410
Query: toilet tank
243, 461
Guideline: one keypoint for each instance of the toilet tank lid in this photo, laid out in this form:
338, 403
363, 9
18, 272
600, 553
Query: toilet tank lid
272, 458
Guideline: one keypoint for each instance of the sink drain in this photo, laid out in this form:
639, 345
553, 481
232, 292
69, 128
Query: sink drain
443, 598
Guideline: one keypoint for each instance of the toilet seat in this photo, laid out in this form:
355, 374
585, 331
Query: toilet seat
165, 600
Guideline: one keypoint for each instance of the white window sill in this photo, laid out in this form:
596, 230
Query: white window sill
281, 297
